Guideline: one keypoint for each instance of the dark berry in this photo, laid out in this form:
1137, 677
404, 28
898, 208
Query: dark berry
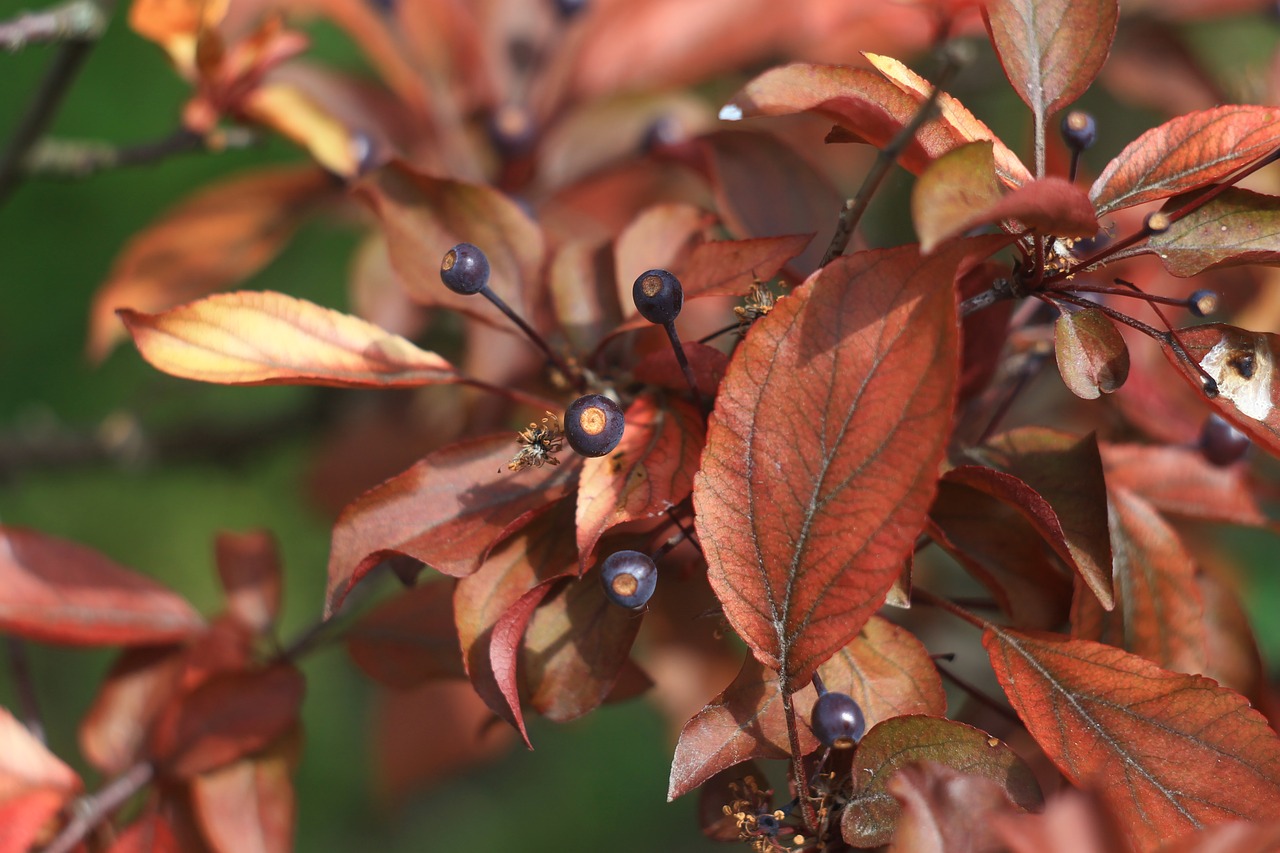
465, 269
593, 424
1202, 303
1221, 443
570, 8
837, 720
629, 578
658, 296
1079, 130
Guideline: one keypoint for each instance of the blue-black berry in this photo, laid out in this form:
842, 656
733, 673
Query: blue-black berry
1221, 443
465, 269
658, 296
593, 424
837, 720
1079, 130
629, 578
1202, 303
570, 8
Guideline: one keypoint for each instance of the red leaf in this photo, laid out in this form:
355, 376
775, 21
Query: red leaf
1236, 836
273, 339
744, 722
800, 564
215, 239
887, 671
1092, 356
448, 510
871, 816
730, 267
1242, 363
649, 472
1067, 472
944, 811
1160, 612
1073, 822
26, 818
1235, 227
504, 651
1168, 752
409, 639
27, 764
225, 718
1051, 50
57, 591
248, 806
423, 217
1187, 152
249, 567
138, 687
763, 188
661, 368
575, 647
151, 833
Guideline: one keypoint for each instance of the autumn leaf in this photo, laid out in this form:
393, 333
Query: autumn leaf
56, 591
409, 639
1237, 226
1185, 153
649, 472
249, 806
273, 339
151, 833
944, 811
1092, 356
1242, 366
824, 397
139, 685
1051, 50
249, 568
448, 510
27, 764
1169, 752
216, 239
871, 815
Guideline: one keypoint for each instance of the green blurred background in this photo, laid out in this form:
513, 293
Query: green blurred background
596, 784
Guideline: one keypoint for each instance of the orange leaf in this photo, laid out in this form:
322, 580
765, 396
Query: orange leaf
273, 339
810, 424
294, 114
214, 240
248, 806
56, 591
1168, 752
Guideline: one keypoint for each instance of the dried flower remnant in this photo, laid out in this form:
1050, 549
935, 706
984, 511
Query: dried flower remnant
538, 445
758, 302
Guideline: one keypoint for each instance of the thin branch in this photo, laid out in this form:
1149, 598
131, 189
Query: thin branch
92, 809
44, 106
798, 775
853, 209
81, 158
977, 693
76, 20
25, 687
1001, 289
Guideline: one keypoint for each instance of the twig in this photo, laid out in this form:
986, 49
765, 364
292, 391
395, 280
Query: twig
25, 687
81, 158
76, 20
853, 209
91, 809
798, 775
44, 105
1001, 289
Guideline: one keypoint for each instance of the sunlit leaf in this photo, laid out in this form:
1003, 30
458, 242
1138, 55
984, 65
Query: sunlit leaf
1242, 365
296, 115
887, 671
1186, 152
216, 239
1051, 50
1235, 227
1092, 356
825, 397
649, 472
448, 510
57, 591
1168, 752
26, 763
1159, 612
271, 339
872, 813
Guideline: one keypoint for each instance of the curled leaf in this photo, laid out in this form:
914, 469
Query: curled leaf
1092, 356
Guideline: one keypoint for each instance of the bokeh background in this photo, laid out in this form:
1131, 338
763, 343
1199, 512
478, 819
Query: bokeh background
595, 784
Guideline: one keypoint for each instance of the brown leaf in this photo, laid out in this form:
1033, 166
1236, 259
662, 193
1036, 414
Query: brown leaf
56, 591
1180, 481
216, 239
1051, 50
1235, 227
650, 471
447, 511
1168, 752
1187, 152
272, 339
1092, 356
872, 815
944, 811
801, 563
249, 568
409, 639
